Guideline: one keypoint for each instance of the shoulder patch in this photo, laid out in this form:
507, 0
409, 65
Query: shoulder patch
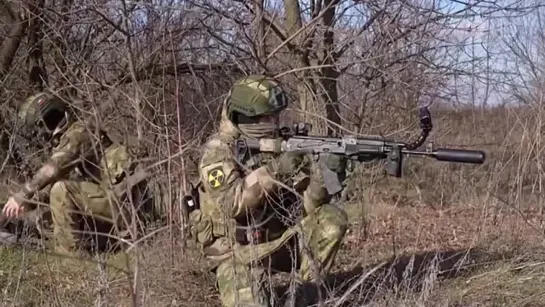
215, 177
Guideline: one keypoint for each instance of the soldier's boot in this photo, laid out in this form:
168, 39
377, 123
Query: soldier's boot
7, 237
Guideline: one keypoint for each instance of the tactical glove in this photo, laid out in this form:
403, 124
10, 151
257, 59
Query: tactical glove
287, 164
336, 163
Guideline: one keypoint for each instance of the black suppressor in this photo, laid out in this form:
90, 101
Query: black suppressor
460, 155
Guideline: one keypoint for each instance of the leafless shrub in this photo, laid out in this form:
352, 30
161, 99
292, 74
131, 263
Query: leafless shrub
155, 75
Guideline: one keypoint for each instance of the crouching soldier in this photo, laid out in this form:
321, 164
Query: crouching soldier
241, 221
82, 171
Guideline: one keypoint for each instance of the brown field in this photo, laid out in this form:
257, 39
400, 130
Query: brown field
155, 74
443, 235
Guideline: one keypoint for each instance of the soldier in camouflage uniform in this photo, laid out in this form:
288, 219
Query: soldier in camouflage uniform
236, 195
81, 170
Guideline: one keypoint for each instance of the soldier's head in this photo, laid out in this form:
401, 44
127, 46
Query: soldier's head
45, 114
254, 104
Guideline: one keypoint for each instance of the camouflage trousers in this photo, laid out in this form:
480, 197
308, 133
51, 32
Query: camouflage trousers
312, 250
72, 204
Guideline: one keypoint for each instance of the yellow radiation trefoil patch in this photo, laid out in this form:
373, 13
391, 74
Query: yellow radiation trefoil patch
216, 177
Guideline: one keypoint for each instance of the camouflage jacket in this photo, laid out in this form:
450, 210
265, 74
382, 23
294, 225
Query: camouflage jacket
228, 195
82, 152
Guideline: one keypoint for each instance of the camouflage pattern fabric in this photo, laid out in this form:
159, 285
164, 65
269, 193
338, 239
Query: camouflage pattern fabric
70, 201
82, 169
230, 192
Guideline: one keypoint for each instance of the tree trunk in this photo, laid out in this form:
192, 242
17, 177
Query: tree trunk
329, 73
317, 87
59, 51
306, 87
11, 44
260, 30
37, 75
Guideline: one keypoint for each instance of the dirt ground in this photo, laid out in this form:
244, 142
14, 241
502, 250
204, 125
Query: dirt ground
470, 255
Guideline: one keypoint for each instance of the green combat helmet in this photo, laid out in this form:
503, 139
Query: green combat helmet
46, 113
252, 100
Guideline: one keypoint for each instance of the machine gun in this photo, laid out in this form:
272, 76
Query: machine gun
362, 149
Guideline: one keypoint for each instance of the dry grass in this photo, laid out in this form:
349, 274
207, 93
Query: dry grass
33, 278
446, 235
154, 72
461, 258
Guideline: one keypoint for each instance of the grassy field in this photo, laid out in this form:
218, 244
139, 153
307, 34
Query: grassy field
462, 256
444, 235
